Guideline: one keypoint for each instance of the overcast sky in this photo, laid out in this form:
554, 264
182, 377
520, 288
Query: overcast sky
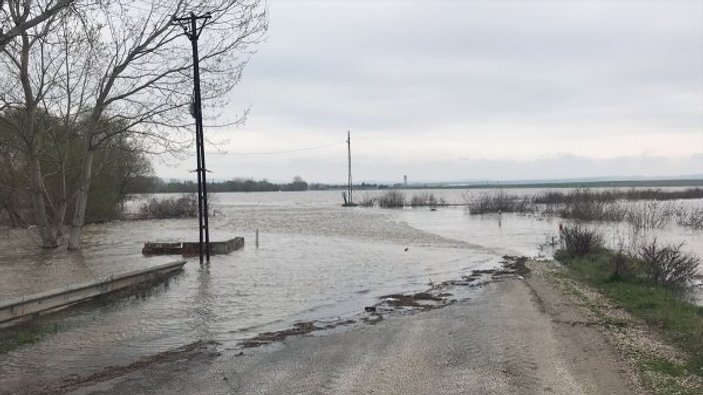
459, 90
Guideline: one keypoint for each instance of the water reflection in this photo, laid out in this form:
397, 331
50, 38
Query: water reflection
203, 304
26, 268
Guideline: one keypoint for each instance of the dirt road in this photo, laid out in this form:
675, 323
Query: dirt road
520, 337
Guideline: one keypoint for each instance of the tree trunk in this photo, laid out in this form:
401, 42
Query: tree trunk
74, 242
48, 236
59, 220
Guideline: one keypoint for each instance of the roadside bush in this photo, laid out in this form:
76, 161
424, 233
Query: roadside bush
622, 269
667, 265
578, 241
392, 199
185, 206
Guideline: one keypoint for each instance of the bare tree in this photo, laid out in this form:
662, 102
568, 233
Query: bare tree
110, 71
41, 12
31, 63
142, 74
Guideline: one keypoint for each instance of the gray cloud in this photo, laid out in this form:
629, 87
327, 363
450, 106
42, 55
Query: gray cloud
497, 80
332, 168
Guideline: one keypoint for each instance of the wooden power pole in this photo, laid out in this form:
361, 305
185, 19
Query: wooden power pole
349, 186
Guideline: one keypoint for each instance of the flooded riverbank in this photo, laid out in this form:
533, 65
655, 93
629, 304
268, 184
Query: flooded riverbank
315, 260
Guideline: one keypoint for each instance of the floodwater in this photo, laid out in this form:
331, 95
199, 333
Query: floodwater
315, 260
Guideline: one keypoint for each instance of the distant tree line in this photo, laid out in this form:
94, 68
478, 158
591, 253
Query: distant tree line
361, 186
151, 184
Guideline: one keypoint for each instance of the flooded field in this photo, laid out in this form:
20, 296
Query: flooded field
315, 260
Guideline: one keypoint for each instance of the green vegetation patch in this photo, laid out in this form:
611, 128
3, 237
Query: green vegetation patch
15, 337
662, 365
663, 309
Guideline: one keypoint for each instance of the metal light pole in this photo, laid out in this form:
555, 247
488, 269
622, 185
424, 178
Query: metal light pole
189, 25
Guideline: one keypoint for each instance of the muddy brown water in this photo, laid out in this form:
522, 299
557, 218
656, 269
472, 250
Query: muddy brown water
315, 261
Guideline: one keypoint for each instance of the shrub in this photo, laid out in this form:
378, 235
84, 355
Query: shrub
641, 208
390, 199
426, 199
578, 241
620, 262
611, 195
689, 218
648, 215
185, 206
668, 265
497, 202
586, 205
368, 201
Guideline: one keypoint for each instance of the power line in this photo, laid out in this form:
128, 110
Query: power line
288, 151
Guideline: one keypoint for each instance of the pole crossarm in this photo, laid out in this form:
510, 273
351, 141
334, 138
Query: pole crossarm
193, 33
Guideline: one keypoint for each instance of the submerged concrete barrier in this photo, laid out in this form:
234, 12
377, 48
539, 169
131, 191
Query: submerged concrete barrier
192, 248
49, 300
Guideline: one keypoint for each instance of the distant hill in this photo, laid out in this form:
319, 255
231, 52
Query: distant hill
695, 180
154, 184
592, 183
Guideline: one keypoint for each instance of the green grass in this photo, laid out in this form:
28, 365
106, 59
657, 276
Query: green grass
663, 309
664, 366
15, 337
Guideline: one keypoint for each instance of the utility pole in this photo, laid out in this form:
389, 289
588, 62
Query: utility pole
190, 27
349, 187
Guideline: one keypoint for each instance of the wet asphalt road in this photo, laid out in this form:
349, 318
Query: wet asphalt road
520, 337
